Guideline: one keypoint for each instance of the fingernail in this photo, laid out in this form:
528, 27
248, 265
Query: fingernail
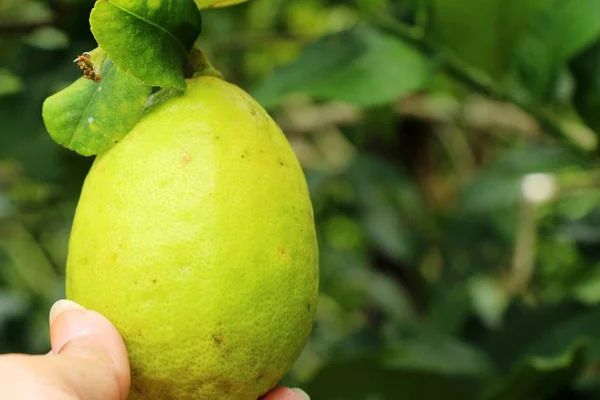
301, 393
76, 323
60, 307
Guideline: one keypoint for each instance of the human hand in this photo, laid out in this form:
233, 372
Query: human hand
88, 361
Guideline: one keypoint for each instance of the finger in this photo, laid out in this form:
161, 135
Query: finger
283, 393
90, 356
88, 361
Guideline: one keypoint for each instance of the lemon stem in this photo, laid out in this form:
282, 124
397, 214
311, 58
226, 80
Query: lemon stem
200, 65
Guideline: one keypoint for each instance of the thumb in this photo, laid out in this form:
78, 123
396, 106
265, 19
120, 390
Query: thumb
284, 393
88, 356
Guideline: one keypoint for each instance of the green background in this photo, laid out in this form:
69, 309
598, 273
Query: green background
451, 149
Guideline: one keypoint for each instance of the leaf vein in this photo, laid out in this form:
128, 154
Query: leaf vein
182, 48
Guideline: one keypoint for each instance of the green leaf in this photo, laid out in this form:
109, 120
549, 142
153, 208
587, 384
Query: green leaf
490, 300
361, 66
540, 377
48, 38
419, 348
499, 186
148, 39
586, 72
588, 291
556, 35
483, 33
368, 377
90, 117
450, 308
9, 82
382, 189
580, 326
24, 12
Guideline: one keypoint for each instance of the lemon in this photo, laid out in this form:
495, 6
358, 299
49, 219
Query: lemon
195, 236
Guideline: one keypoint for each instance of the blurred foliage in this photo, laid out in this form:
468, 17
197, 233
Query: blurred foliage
451, 152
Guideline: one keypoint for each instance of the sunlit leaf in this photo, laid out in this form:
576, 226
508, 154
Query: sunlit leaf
148, 39
90, 117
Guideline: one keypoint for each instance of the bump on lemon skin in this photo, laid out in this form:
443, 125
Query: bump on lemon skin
195, 236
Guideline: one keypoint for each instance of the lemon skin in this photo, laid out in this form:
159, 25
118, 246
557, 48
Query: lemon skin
195, 236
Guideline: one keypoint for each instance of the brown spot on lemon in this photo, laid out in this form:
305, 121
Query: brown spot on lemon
217, 339
186, 157
282, 253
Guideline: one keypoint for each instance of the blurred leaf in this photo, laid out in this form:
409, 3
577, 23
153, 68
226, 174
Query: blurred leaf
584, 230
450, 307
342, 232
338, 277
538, 377
499, 185
361, 66
522, 327
24, 140
586, 72
9, 82
538, 158
489, 192
417, 348
561, 265
388, 203
490, 299
11, 305
29, 262
387, 295
484, 33
558, 33
581, 326
48, 38
588, 291
579, 204
15, 12
368, 377
387, 232
90, 117
164, 32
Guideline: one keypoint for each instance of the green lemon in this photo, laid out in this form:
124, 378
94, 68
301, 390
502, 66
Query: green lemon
195, 236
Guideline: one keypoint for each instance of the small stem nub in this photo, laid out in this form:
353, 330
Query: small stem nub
200, 65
